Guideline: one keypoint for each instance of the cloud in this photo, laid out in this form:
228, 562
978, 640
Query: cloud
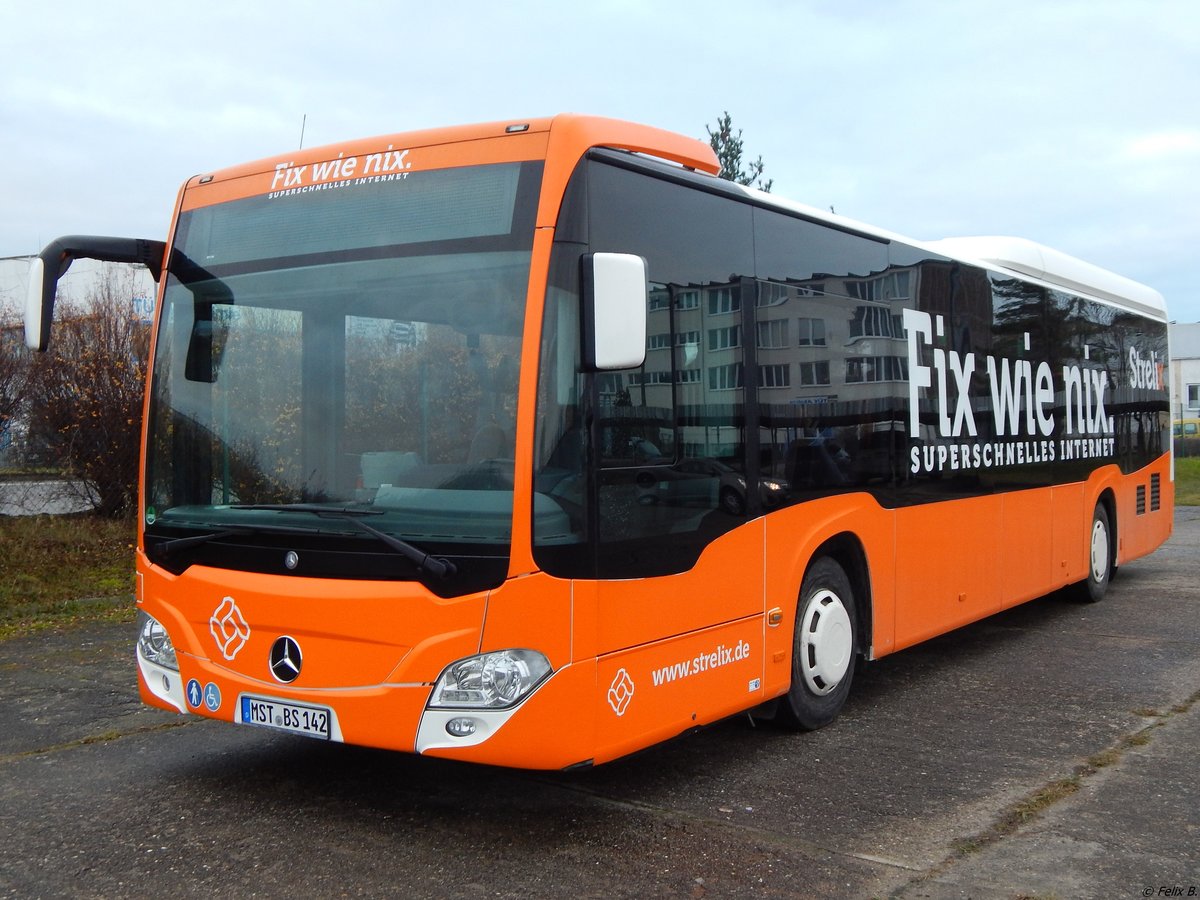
1067, 121
1174, 146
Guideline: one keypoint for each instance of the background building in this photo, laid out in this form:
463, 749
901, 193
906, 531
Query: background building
1185, 378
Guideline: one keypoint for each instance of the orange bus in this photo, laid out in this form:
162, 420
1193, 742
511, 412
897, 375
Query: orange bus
535, 443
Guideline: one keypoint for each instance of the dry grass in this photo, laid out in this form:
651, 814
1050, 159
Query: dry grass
1187, 480
59, 569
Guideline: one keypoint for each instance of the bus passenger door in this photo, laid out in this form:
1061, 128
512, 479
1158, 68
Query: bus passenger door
682, 650
679, 535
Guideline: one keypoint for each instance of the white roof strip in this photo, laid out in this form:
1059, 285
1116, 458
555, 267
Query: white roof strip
1017, 256
1032, 260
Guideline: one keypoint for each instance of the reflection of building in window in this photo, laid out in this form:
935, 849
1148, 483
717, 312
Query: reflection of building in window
687, 300
771, 293
658, 341
724, 338
773, 334
875, 321
778, 375
863, 369
814, 372
687, 376
881, 289
683, 338
812, 332
611, 383
725, 378
723, 300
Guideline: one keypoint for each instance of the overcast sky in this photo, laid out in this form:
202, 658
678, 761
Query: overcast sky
1076, 124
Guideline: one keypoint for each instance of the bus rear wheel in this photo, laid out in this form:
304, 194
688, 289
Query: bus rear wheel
823, 648
1100, 558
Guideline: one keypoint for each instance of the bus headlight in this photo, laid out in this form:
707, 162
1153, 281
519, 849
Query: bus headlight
154, 644
490, 680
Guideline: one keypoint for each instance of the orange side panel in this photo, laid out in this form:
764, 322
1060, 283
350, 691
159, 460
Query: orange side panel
1140, 534
947, 566
1068, 542
1024, 539
657, 691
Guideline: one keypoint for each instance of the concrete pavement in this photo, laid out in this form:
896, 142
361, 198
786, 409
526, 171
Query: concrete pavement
1049, 751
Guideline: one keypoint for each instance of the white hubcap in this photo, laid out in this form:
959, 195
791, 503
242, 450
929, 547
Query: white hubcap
1099, 551
826, 642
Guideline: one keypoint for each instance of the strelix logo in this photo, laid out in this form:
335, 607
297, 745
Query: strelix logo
1145, 372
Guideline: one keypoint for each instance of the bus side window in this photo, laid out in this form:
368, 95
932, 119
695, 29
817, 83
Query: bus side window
560, 448
671, 437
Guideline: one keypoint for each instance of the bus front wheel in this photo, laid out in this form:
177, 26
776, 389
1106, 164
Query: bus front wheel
823, 648
1100, 557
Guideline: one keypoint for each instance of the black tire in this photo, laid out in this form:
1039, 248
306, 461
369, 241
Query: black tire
1100, 568
824, 649
731, 502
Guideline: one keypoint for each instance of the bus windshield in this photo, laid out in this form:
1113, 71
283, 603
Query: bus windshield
355, 349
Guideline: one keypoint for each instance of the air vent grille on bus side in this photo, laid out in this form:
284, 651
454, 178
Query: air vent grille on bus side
1155, 492
1141, 499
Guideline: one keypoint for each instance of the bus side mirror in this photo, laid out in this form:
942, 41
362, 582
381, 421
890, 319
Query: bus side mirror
615, 294
52, 263
39, 310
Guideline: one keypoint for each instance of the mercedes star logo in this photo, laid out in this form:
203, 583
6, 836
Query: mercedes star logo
285, 659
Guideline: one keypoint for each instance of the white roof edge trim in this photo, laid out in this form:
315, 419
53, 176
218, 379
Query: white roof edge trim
1018, 256
835, 219
1029, 259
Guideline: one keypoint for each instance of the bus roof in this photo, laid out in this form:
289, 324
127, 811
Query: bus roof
1028, 259
1014, 256
572, 135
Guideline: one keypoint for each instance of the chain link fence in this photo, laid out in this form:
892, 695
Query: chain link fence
49, 497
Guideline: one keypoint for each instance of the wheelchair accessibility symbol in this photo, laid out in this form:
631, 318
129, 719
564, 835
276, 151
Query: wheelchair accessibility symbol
212, 697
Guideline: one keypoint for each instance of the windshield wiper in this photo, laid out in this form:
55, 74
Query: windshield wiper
434, 565
166, 548
170, 545
315, 508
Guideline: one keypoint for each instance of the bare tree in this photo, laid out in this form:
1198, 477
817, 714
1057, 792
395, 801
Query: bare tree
85, 393
13, 369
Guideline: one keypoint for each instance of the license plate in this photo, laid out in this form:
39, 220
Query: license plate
298, 718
